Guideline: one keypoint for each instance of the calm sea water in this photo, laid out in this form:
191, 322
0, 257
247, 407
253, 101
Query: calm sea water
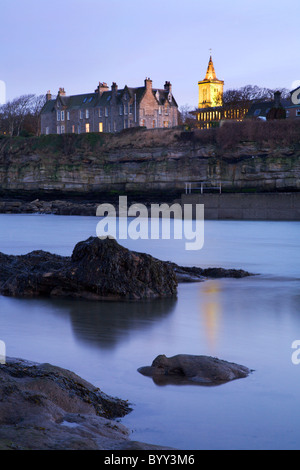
251, 321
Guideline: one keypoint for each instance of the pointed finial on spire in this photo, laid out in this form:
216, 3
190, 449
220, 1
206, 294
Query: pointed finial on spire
210, 73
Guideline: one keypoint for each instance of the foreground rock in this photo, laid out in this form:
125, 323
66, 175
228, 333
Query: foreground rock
187, 369
97, 269
46, 407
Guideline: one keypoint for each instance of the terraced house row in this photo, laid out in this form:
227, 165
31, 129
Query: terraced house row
110, 110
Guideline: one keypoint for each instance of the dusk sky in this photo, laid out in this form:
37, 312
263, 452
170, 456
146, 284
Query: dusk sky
75, 44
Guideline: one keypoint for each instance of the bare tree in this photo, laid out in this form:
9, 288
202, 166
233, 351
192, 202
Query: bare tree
22, 110
186, 116
250, 93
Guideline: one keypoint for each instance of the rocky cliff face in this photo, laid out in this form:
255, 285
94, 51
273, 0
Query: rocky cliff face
146, 165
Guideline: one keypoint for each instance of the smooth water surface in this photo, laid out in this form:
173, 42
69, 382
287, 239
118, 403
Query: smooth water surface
251, 321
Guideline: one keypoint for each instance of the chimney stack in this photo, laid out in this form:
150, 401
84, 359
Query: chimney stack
48, 96
61, 92
277, 101
148, 84
101, 88
168, 87
114, 88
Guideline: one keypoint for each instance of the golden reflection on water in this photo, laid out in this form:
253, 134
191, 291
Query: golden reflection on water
211, 312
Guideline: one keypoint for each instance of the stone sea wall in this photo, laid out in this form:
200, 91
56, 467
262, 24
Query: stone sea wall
142, 167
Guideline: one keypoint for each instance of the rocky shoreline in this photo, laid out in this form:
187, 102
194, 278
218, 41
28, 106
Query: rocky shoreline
56, 207
45, 407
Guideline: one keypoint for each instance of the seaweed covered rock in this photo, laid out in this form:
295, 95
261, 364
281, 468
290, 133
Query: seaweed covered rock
97, 269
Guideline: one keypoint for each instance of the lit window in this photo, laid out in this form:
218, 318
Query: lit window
100, 126
166, 123
87, 127
73, 129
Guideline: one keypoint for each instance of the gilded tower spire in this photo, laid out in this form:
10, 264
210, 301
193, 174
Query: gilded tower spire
210, 73
210, 89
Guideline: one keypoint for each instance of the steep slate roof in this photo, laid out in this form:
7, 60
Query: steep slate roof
90, 100
48, 106
261, 109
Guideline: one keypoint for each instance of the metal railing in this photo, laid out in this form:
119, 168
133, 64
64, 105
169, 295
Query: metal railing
202, 185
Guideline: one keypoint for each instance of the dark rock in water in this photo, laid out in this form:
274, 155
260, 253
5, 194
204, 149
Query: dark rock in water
44, 407
194, 273
189, 369
97, 269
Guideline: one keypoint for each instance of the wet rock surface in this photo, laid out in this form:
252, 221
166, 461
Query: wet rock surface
189, 369
97, 269
46, 407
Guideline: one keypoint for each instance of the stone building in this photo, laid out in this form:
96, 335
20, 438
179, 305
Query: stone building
211, 110
293, 106
210, 89
110, 110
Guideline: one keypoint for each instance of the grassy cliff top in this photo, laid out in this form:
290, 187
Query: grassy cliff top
273, 134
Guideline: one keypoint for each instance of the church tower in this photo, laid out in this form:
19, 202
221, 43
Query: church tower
210, 89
